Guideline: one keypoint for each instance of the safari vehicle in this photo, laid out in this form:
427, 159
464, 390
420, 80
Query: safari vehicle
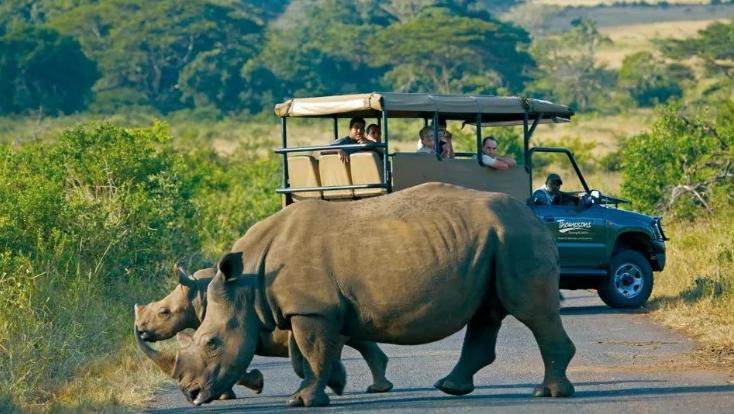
601, 246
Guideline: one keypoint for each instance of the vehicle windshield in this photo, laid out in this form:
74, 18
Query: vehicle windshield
545, 163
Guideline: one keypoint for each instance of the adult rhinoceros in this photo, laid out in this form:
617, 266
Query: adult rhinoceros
185, 307
411, 267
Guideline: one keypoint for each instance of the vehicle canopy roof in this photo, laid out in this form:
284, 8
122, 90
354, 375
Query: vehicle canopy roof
508, 110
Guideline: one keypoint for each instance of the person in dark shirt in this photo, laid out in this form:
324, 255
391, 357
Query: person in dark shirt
356, 136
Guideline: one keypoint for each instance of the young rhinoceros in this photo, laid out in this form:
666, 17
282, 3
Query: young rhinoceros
185, 307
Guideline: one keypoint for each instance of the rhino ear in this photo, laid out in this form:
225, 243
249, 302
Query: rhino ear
231, 265
185, 338
183, 278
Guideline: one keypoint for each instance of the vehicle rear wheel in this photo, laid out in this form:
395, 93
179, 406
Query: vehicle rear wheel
629, 283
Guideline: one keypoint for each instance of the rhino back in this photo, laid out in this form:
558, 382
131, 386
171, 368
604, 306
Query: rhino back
415, 255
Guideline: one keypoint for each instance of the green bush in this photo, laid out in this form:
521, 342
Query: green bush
680, 165
90, 225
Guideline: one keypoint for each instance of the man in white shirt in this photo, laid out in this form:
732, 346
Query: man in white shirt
490, 157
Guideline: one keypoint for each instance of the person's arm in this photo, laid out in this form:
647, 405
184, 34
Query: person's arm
508, 161
494, 163
449, 149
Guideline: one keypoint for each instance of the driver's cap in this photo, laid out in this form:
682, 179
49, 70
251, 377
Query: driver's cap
553, 177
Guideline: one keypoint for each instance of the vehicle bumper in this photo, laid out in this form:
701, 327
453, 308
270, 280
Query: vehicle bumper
657, 260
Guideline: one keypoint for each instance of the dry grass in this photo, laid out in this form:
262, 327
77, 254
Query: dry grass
605, 132
123, 384
629, 39
592, 3
695, 292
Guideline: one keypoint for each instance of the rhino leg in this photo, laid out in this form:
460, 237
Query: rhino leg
477, 352
557, 350
337, 379
537, 306
376, 361
318, 340
252, 380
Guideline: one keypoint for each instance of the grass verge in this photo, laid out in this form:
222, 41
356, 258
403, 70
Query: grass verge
695, 293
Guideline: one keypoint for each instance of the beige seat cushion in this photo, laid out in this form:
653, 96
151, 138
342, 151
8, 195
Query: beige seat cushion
366, 168
334, 172
303, 171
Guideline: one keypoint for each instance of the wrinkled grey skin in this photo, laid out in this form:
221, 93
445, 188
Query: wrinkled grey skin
441, 257
184, 308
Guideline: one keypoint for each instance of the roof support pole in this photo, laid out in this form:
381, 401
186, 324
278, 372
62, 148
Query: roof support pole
480, 150
288, 198
436, 147
336, 129
385, 164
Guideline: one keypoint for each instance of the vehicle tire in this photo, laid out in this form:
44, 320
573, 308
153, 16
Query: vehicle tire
630, 281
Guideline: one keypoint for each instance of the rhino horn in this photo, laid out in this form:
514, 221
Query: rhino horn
164, 360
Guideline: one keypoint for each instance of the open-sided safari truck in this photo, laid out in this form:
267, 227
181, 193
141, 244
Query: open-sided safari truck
601, 247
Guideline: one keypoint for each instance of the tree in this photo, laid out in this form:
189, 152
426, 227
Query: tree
41, 69
650, 81
683, 164
713, 47
317, 48
145, 46
567, 70
445, 53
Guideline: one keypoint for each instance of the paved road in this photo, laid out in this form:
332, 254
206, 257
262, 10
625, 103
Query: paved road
624, 364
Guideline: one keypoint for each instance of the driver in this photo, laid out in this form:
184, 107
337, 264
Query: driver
550, 192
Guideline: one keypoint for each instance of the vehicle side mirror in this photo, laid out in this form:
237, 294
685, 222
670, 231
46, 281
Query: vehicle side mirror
587, 200
596, 194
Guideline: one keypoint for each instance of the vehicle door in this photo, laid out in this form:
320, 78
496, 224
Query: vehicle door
580, 229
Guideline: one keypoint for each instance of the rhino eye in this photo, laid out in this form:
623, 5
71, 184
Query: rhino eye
213, 343
164, 313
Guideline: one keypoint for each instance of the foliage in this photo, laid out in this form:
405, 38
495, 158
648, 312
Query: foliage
321, 53
146, 47
713, 47
650, 81
43, 70
567, 70
483, 56
683, 164
90, 224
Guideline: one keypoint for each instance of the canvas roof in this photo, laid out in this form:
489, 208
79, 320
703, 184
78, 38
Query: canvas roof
509, 109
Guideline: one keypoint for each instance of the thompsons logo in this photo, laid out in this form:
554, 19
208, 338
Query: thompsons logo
565, 226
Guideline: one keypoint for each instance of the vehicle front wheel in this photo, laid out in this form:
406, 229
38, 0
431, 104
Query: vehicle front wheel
629, 283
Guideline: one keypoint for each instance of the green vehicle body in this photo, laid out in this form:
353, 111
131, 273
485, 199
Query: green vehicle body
601, 246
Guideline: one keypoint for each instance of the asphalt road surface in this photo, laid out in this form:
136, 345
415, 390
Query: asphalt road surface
624, 364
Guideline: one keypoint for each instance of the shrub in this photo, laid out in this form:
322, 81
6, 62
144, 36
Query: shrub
91, 224
681, 165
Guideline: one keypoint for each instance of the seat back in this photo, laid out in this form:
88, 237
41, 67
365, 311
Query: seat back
410, 169
303, 172
334, 172
366, 168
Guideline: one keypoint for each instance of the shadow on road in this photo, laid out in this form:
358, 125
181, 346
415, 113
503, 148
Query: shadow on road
370, 402
599, 310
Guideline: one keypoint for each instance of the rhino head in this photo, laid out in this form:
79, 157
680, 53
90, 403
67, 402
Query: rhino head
183, 308
214, 356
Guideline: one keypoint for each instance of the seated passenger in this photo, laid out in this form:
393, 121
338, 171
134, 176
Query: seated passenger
427, 143
356, 134
490, 157
374, 135
550, 192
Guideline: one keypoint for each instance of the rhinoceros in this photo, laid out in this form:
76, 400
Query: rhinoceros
410, 267
185, 307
